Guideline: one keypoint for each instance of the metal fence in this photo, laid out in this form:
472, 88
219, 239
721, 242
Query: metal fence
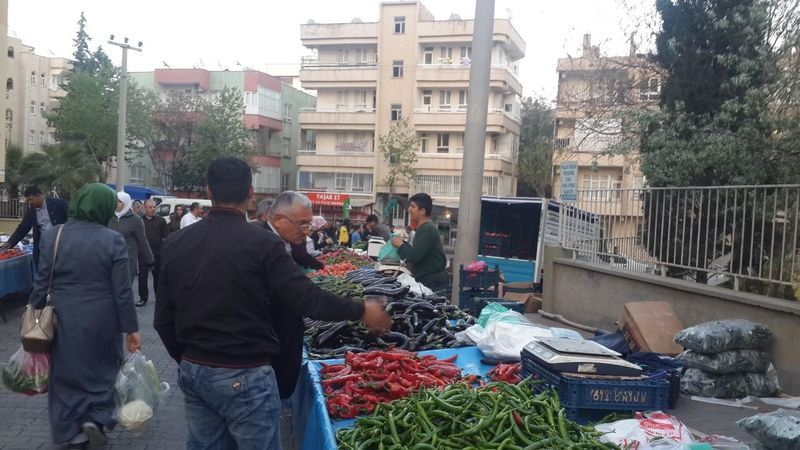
12, 208
741, 237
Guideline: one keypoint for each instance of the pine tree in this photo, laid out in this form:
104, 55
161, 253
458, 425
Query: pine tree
83, 56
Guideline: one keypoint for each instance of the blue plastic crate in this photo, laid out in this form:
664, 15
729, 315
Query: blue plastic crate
482, 280
578, 395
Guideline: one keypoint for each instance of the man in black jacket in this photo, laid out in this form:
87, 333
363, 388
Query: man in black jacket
156, 230
43, 213
219, 279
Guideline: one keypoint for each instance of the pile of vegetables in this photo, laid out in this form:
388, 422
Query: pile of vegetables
10, 253
365, 380
417, 324
496, 416
345, 256
27, 373
376, 284
339, 286
509, 373
334, 270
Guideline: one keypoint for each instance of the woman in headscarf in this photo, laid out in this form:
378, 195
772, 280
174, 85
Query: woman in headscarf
131, 227
93, 300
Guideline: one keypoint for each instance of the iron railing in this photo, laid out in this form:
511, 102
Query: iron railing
741, 237
12, 208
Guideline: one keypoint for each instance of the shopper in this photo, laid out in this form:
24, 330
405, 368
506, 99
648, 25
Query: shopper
156, 230
355, 236
130, 226
426, 256
42, 214
344, 233
218, 281
91, 290
195, 211
137, 208
375, 228
262, 212
175, 219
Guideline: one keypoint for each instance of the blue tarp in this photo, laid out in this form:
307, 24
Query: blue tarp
16, 275
139, 192
311, 421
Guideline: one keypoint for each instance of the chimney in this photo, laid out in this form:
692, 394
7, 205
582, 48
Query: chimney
632, 42
587, 44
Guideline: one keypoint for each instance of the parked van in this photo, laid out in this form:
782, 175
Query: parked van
165, 206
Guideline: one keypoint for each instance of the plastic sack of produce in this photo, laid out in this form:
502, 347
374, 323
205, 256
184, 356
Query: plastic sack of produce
501, 333
27, 373
656, 430
735, 385
732, 361
723, 335
415, 286
778, 430
137, 392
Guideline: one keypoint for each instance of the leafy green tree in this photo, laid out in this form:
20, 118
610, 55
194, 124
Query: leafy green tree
13, 166
535, 148
63, 168
399, 148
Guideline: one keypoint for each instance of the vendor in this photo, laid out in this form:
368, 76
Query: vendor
41, 215
426, 256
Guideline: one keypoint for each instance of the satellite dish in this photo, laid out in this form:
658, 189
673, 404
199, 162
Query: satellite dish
455, 16
310, 22
356, 20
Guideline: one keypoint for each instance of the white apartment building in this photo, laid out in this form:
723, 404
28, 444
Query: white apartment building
370, 75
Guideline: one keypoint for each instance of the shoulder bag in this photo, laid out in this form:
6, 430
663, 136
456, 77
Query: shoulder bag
38, 326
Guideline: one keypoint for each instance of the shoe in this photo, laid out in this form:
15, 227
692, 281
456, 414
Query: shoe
80, 441
96, 435
141, 303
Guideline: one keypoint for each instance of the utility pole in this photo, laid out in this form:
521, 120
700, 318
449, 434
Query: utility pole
469, 205
122, 114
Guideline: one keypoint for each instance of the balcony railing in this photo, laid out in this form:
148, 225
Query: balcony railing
341, 108
462, 109
311, 63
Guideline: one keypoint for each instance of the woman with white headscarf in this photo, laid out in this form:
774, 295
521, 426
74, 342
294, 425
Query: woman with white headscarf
131, 227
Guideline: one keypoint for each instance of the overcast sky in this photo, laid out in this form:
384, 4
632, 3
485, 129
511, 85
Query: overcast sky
265, 35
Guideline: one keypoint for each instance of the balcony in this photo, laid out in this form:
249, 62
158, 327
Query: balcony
493, 162
315, 74
316, 34
346, 157
448, 75
437, 118
462, 30
334, 118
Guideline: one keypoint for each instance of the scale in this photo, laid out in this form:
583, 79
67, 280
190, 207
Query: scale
581, 357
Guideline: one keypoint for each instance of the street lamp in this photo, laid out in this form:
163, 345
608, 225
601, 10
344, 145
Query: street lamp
123, 105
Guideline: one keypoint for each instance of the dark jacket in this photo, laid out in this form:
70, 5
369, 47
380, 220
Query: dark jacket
130, 226
219, 279
156, 230
56, 209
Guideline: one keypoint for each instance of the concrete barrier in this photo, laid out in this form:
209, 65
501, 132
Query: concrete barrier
594, 294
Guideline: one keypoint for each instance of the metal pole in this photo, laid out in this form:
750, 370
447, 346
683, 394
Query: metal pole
469, 205
122, 115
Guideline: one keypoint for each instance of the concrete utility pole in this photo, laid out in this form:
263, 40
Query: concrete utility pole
122, 115
469, 205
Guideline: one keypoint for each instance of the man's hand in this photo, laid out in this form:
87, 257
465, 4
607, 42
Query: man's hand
134, 342
397, 242
375, 316
4, 245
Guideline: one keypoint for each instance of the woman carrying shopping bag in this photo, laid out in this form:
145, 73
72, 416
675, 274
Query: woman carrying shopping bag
93, 301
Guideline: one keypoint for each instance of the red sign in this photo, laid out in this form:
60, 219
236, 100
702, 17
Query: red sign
326, 199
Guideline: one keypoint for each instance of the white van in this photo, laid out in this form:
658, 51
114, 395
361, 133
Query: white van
166, 205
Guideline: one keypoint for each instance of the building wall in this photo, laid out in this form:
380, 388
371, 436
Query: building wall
290, 136
3, 75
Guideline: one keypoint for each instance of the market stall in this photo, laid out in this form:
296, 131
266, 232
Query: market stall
16, 274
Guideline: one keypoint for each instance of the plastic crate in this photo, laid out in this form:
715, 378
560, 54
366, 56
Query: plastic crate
580, 396
483, 280
474, 305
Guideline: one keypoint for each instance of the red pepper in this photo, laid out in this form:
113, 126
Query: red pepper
517, 418
409, 365
341, 380
333, 367
451, 359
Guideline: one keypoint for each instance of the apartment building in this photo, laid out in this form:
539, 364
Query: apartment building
3, 71
407, 65
270, 113
33, 87
592, 91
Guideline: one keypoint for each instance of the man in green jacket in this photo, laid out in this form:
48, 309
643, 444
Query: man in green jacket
426, 256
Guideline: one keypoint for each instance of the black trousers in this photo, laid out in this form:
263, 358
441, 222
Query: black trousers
144, 274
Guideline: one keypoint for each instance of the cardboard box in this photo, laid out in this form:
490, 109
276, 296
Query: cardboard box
532, 304
651, 327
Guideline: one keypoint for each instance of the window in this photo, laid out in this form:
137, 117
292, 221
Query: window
363, 55
42, 109
9, 116
33, 78
9, 84
604, 188
399, 24
43, 80
638, 183
466, 52
426, 98
446, 55
138, 173
285, 147
397, 112
33, 108
462, 98
42, 138
284, 182
31, 137
54, 82
397, 69
342, 100
444, 99
427, 57
344, 55
423, 143
650, 89
361, 100
399, 214
10, 52
287, 113
442, 143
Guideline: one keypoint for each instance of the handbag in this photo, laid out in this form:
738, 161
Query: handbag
38, 326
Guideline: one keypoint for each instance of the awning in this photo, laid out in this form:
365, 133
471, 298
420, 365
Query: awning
139, 192
327, 198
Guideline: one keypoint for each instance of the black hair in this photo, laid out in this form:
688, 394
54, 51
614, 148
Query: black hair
31, 191
423, 201
194, 206
229, 180
372, 218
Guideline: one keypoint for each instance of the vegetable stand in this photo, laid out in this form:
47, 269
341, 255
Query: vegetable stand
16, 276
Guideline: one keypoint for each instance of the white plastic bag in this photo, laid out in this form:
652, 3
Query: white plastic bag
415, 286
138, 390
501, 333
655, 430
27, 373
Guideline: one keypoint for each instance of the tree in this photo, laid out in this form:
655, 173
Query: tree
83, 55
13, 166
62, 168
221, 132
399, 148
535, 148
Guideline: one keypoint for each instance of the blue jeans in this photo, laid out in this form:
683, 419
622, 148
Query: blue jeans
230, 408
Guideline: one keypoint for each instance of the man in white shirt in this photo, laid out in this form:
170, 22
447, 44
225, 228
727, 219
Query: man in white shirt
193, 217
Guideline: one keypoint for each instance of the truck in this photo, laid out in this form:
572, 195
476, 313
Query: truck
514, 231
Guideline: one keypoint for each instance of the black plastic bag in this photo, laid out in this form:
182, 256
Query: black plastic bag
723, 363
735, 385
723, 335
778, 430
